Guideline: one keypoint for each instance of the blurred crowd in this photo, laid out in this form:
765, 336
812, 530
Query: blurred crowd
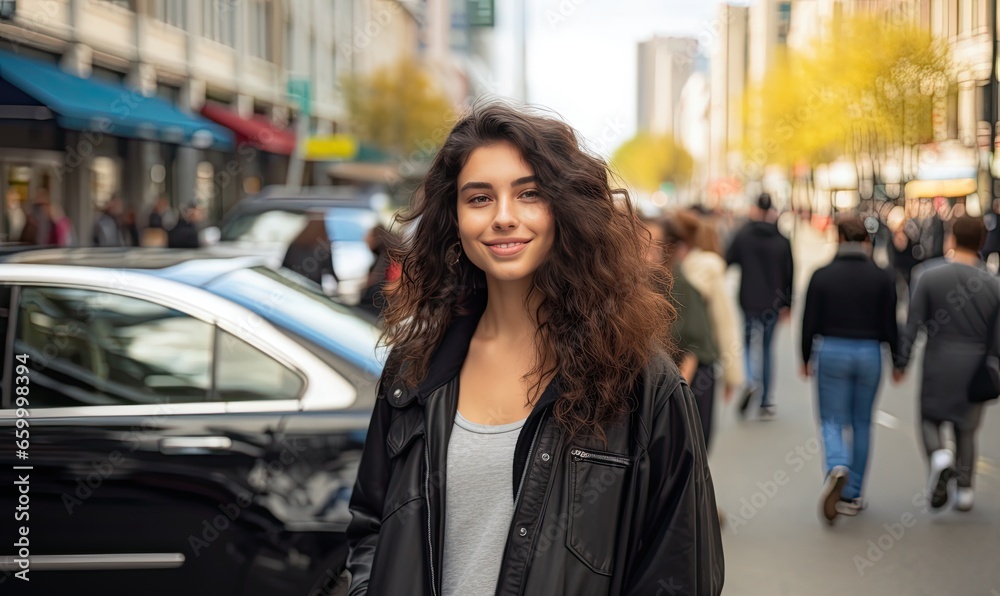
44, 223
927, 261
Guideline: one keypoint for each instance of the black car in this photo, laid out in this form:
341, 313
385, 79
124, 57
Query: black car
176, 424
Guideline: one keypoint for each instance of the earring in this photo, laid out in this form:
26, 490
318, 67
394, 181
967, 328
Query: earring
455, 250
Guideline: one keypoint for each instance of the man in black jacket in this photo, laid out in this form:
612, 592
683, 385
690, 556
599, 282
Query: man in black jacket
765, 259
850, 310
184, 234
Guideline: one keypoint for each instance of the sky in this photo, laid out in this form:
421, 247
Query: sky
582, 56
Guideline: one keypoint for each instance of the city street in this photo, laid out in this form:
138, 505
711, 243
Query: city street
768, 477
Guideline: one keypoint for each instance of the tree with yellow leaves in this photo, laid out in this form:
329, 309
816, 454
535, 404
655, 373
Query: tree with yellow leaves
866, 86
399, 109
646, 161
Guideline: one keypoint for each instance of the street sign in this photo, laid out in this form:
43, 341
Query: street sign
331, 148
480, 13
298, 90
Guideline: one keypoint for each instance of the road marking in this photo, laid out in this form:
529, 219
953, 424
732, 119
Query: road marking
883, 418
987, 466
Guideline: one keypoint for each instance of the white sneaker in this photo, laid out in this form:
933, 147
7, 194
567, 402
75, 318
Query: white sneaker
963, 498
851, 507
941, 482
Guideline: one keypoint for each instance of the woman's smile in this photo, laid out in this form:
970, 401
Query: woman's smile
508, 248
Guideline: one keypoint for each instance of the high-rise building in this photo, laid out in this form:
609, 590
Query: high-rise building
665, 64
728, 77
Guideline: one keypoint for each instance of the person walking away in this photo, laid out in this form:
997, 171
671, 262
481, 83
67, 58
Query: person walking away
849, 313
106, 229
184, 234
373, 298
311, 253
705, 268
764, 256
954, 303
693, 326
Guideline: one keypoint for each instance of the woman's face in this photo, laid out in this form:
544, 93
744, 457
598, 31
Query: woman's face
504, 219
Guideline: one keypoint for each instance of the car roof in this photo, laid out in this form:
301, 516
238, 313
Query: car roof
301, 199
195, 267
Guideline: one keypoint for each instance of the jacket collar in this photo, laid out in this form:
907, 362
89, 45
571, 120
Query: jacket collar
852, 250
447, 359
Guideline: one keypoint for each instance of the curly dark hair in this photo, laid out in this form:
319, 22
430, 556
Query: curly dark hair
601, 318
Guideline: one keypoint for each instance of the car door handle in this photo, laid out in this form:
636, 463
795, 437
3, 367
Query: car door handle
88, 562
194, 445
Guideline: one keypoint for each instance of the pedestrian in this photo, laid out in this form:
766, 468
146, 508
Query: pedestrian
531, 436
37, 228
693, 328
184, 234
378, 240
764, 256
690, 326
129, 228
161, 217
849, 313
705, 268
60, 227
310, 253
954, 303
106, 229
15, 219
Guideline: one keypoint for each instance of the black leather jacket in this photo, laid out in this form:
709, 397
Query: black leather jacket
636, 516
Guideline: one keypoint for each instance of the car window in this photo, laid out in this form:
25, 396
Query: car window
268, 228
350, 225
291, 303
95, 348
245, 373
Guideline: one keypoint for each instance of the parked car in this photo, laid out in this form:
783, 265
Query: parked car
267, 223
195, 423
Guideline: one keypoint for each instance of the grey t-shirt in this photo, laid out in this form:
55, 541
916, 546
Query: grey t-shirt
479, 505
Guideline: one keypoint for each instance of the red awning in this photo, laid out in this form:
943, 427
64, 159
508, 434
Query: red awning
256, 131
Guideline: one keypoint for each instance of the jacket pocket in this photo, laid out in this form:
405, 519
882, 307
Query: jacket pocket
598, 480
404, 442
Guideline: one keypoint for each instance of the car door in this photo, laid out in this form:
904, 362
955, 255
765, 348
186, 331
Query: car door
141, 475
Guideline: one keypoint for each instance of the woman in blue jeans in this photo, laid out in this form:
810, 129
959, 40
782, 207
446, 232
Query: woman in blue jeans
850, 310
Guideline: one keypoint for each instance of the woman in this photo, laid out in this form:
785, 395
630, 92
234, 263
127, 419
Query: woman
530, 436
705, 267
692, 330
954, 302
310, 253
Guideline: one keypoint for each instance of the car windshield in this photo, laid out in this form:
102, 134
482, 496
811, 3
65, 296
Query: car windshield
280, 227
291, 302
276, 227
350, 225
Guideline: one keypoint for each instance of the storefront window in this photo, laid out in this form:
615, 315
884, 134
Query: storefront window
104, 180
205, 185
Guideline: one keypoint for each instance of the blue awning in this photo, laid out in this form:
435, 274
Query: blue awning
86, 104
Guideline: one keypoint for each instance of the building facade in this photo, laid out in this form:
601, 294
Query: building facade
665, 64
260, 74
728, 66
